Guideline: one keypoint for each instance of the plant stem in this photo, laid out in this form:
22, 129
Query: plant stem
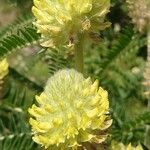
79, 60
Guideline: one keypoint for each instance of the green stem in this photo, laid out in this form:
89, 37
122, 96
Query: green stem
79, 59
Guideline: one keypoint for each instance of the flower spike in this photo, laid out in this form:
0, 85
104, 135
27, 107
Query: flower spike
66, 115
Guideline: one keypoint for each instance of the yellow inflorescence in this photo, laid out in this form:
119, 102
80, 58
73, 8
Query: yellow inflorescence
61, 21
71, 110
120, 146
3, 68
139, 11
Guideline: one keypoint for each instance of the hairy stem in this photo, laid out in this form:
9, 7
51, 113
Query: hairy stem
79, 60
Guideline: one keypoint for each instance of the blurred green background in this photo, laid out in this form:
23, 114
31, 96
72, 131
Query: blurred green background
117, 60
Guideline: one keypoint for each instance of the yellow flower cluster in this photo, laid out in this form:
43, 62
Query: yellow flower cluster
61, 21
139, 11
70, 111
3, 68
121, 146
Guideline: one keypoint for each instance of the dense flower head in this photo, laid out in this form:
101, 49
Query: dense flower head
70, 111
3, 68
60, 21
121, 146
139, 11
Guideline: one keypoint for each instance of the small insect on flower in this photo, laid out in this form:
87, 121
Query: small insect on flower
61, 21
70, 111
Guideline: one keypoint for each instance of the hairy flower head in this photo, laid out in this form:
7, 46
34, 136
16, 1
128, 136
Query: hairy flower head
60, 21
121, 146
3, 68
71, 110
139, 11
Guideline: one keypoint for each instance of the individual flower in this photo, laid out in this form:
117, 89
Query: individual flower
139, 11
61, 21
3, 68
3, 73
121, 146
70, 111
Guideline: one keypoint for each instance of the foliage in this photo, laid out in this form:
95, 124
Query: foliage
117, 60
